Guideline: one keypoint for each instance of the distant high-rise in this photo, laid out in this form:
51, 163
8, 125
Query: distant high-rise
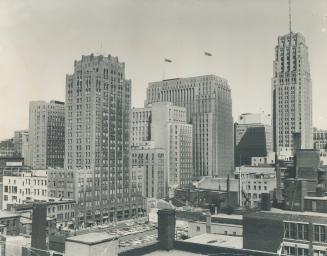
291, 94
21, 143
7, 148
98, 106
208, 102
46, 134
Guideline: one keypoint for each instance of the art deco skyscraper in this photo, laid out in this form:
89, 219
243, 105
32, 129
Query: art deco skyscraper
98, 109
208, 102
291, 94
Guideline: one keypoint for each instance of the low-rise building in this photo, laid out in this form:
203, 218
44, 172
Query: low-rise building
9, 161
216, 240
61, 210
319, 139
91, 244
315, 204
307, 162
296, 190
25, 186
213, 200
77, 184
148, 171
13, 170
9, 223
221, 224
221, 184
255, 180
284, 171
291, 233
264, 160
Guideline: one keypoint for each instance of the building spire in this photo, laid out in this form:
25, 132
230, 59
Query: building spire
290, 15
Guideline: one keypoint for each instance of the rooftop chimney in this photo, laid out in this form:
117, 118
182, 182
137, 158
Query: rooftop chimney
166, 228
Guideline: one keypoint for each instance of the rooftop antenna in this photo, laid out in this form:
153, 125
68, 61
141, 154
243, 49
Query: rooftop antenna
290, 15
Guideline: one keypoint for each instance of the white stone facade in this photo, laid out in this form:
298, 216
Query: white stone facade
291, 93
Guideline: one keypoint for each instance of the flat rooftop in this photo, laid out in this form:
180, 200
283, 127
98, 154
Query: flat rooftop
218, 240
92, 238
171, 253
228, 216
284, 215
323, 198
6, 214
319, 214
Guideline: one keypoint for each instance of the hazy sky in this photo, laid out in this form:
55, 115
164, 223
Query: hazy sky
40, 39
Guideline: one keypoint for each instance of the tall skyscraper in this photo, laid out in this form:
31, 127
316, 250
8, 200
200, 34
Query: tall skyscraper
46, 134
98, 106
208, 102
291, 94
253, 137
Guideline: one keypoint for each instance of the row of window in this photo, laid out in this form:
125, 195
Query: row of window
299, 231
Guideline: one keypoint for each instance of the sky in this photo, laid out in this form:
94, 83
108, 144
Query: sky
40, 39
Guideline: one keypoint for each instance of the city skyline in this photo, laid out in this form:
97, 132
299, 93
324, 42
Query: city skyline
181, 127
34, 59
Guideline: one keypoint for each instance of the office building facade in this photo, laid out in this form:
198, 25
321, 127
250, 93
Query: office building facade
98, 104
207, 100
148, 171
291, 93
164, 125
24, 186
46, 134
77, 185
254, 181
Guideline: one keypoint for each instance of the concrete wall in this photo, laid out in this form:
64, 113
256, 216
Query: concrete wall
100, 249
262, 234
307, 162
198, 228
185, 247
215, 250
321, 205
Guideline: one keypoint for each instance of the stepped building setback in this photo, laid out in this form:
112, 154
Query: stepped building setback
98, 106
